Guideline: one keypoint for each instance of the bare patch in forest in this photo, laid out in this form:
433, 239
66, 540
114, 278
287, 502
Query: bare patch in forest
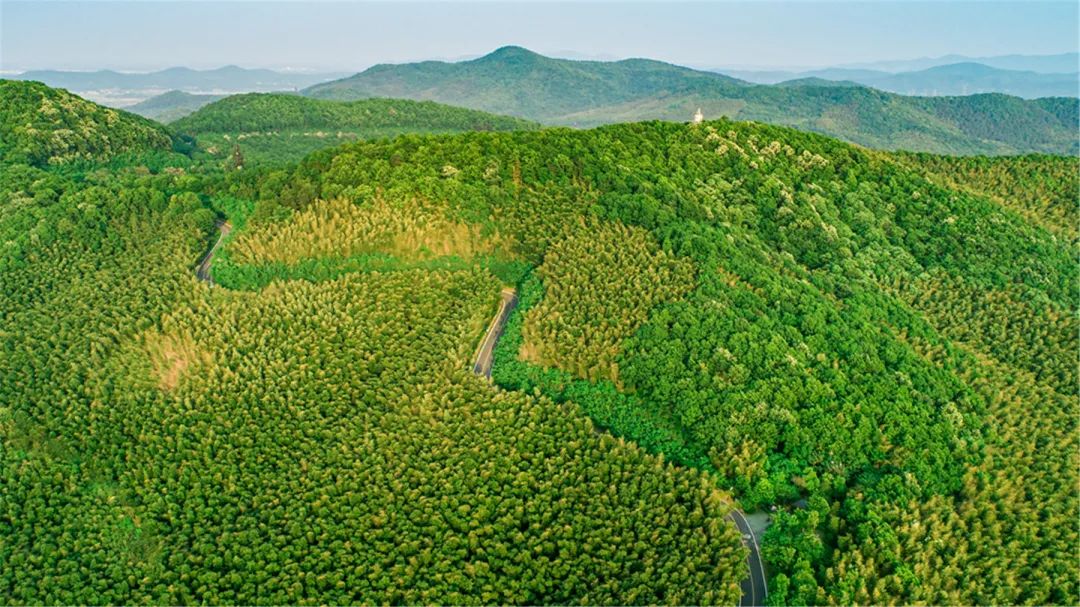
171, 357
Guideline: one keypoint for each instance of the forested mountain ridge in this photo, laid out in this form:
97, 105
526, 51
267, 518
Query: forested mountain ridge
40, 125
708, 313
269, 111
521, 83
518, 82
278, 126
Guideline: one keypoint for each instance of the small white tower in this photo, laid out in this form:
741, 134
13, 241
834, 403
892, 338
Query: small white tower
699, 117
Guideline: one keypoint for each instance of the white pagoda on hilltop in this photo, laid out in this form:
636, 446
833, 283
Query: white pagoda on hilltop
699, 117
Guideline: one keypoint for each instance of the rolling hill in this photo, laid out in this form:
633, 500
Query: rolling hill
171, 106
40, 125
518, 82
277, 127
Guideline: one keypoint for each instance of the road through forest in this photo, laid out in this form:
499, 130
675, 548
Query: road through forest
483, 359
203, 270
754, 587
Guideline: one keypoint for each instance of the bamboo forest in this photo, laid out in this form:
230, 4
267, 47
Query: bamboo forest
874, 350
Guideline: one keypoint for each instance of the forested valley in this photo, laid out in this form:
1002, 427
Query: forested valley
879, 349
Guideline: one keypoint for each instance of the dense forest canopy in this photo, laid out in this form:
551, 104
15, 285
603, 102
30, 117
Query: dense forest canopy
281, 127
516, 81
881, 347
1040, 187
41, 126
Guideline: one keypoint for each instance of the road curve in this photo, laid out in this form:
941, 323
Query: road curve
754, 587
483, 358
203, 271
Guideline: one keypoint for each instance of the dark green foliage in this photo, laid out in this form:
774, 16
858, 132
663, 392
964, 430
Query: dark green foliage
624, 415
45, 126
252, 277
279, 127
275, 111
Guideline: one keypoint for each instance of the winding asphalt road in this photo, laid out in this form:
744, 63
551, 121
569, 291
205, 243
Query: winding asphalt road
203, 271
754, 586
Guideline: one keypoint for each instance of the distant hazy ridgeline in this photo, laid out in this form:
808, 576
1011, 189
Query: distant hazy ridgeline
171, 106
961, 78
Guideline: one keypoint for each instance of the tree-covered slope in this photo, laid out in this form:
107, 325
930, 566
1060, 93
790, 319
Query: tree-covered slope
286, 127
164, 442
823, 328
45, 126
1042, 188
515, 81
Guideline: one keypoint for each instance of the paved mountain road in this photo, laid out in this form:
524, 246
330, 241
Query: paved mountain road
482, 360
203, 271
754, 587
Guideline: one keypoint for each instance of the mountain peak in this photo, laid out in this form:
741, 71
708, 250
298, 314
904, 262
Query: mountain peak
511, 53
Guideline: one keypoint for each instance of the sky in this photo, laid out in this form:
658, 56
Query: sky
350, 36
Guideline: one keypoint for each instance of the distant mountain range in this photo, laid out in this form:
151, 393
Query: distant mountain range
518, 82
226, 78
1062, 63
857, 104
122, 89
953, 79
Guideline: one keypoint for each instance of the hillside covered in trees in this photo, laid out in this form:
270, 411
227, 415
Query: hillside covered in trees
42, 126
880, 347
516, 81
278, 126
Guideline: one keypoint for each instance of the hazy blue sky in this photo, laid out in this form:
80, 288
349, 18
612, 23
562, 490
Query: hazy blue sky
353, 35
